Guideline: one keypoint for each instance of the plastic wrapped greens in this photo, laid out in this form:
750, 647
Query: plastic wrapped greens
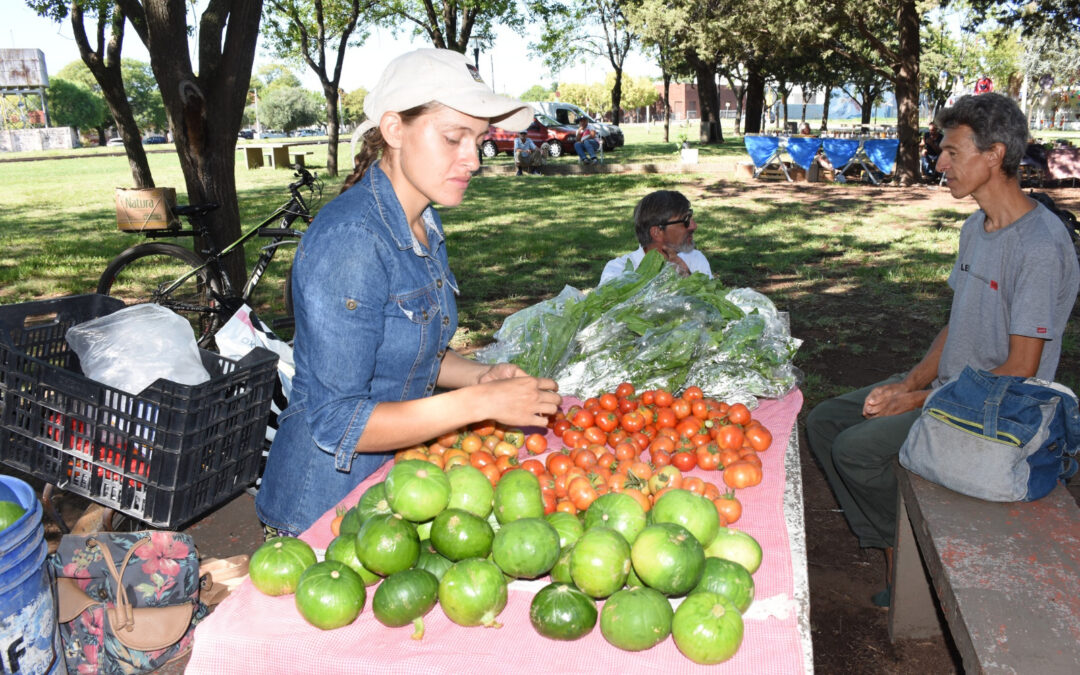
657, 330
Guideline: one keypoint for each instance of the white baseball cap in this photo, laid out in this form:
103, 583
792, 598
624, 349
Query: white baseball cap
442, 76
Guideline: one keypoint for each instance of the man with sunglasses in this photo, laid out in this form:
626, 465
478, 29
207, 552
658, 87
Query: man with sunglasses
663, 221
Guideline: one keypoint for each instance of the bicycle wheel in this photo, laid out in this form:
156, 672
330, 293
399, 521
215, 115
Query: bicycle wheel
140, 273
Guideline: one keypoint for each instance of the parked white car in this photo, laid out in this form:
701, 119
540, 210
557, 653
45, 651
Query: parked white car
568, 113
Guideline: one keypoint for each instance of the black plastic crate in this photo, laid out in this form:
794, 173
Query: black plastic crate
164, 456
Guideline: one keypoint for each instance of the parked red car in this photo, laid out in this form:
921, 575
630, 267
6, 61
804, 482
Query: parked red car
560, 138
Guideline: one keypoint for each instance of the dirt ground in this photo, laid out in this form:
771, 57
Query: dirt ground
849, 633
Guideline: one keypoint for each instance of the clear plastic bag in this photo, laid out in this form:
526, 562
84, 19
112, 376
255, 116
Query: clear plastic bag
655, 329
132, 347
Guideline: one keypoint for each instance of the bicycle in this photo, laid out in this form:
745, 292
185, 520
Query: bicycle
194, 283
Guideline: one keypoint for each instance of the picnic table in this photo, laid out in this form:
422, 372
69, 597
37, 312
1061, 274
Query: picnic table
278, 155
250, 632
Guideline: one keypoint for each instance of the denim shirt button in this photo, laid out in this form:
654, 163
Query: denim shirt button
441, 353
425, 315
438, 283
446, 321
350, 304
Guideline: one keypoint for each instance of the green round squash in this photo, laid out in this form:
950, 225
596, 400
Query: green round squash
560, 572
695, 513
372, 503
458, 534
526, 548
620, 512
562, 612
668, 558
707, 628
470, 490
729, 579
738, 546
473, 592
432, 561
276, 566
417, 490
567, 525
387, 544
600, 562
517, 496
406, 597
636, 618
330, 595
343, 549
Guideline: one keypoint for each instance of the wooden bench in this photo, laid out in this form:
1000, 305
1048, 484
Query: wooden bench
1006, 577
255, 154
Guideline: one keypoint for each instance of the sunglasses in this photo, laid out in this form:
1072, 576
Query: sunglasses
684, 221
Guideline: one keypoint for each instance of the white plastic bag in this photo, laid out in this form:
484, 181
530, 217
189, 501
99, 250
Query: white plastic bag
132, 347
244, 332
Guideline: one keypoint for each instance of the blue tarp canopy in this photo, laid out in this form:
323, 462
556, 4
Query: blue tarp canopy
761, 148
882, 152
839, 151
803, 150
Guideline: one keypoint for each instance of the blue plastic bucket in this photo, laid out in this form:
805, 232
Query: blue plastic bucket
28, 635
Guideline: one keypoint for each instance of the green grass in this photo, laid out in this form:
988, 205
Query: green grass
860, 270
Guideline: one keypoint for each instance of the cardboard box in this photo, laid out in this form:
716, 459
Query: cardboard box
139, 209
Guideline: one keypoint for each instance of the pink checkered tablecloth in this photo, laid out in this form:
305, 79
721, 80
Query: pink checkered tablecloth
253, 633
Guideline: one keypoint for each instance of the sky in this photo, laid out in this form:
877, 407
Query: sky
508, 68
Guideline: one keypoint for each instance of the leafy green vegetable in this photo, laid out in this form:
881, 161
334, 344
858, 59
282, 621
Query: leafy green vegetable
656, 329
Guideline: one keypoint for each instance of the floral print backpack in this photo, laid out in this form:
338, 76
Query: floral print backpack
128, 602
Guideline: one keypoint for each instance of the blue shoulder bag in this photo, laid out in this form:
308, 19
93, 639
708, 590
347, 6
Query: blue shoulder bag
996, 437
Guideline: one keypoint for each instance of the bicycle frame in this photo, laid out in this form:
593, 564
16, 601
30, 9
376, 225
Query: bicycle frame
288, 212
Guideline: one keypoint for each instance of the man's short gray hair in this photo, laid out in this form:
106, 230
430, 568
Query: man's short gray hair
993, 118
656, 209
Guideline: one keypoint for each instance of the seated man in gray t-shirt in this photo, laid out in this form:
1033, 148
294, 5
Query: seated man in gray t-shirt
1014, 284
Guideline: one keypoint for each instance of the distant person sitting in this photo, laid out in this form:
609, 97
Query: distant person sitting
805, 129
585, 143
663, 221
930, 150
526, 154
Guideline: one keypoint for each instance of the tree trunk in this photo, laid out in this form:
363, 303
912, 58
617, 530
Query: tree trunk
104, 65
755, 98
206, 110
333, 128
616, 98
907, 95
667, 106
867, 95
825, 109
705, 72
101, 135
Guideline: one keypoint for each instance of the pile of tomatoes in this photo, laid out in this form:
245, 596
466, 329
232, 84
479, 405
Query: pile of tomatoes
605, 441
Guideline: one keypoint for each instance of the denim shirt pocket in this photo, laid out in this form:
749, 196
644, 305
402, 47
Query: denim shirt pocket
421, 309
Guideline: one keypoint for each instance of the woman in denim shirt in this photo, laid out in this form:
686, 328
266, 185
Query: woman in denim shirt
375, 308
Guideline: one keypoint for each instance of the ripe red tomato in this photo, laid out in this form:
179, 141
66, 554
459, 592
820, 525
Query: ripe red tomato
627, 405
741, 475
632, 422
536, 443
591, 404
647, 397
624, 390
595, 435
665, 418
617, 436
684, 460
660, 458
708, 456
583, 419
693, 393
609, 402
729, 507
558, 463
559, 428
739, 414
759, 437
681, 408
606, 420
730, 437
663, 398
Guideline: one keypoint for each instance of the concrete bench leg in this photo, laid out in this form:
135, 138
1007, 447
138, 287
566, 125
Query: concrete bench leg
298, 159
912, 612
253, 157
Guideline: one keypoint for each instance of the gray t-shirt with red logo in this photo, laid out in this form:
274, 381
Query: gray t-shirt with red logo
1019, 280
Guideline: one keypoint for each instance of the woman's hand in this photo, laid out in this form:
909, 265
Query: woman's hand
519, 400
501, 371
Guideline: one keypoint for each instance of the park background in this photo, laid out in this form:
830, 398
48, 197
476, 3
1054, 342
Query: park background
860, 269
